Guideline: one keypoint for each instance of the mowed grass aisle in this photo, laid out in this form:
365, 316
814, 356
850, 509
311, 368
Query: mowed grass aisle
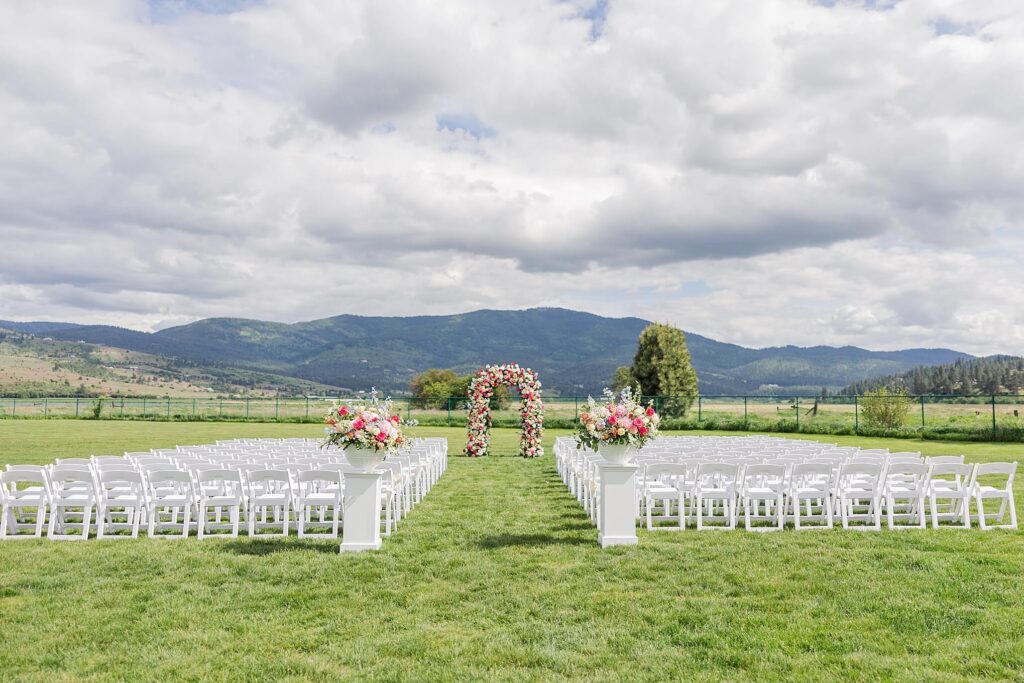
497, 575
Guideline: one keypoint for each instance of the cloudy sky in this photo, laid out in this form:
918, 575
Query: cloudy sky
770, 172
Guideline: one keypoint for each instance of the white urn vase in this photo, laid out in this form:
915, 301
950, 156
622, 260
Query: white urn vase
617, 454
364, 459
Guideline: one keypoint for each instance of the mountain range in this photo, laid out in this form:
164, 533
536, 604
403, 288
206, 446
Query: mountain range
574, 352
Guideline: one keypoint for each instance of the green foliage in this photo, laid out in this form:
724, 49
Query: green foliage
623, 378
975, 376
434, 386
97, 409
662, 367
885, 408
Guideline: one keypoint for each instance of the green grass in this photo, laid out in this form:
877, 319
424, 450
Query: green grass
497, 575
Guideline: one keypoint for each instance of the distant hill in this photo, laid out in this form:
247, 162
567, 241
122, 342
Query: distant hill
575, 353
991, 375
35, 327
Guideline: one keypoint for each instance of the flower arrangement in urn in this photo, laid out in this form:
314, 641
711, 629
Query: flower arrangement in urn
617, 426
367, 431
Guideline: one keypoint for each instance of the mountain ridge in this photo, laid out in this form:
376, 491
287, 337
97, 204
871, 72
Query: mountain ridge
575, 352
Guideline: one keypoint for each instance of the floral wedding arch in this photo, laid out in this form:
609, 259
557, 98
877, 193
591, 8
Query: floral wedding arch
481, 389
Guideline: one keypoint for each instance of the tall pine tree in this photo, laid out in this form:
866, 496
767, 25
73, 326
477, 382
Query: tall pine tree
662, 367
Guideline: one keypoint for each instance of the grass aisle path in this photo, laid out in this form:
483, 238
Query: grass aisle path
497, 575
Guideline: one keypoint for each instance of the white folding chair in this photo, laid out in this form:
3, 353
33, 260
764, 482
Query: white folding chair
905, 481
663, 482
811, 485
716, 489
984, 491
72, 494
269, 493
320, 490
170, 493
218, 490
763, 485
859, 495
20, 491
949, 484
122, 503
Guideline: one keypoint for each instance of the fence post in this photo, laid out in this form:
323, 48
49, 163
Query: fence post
922, 411
856, 414
193, 407
77, 400
14, 407
220, 409
700, 407
408, 410
143, 406
246, 408
449, 402
46, 408
993, 414
307, 407
122, 406
745, 421
577, 400
168, 407
798, 413
277, 407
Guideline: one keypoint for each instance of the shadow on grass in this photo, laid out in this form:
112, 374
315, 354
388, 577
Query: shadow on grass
528, 540
269, 546
582, 525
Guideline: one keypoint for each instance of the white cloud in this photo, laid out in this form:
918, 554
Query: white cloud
845, 174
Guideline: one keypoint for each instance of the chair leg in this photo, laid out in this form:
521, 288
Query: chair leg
981, 514
102, 518
86, 519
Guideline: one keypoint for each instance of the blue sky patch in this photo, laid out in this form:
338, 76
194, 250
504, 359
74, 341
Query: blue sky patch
468, 123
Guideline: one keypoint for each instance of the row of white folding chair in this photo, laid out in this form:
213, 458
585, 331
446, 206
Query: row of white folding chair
398, 499
137, 493
859, 489
122, 500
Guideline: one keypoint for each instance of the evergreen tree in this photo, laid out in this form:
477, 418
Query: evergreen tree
662, 367
623, 378
971, 377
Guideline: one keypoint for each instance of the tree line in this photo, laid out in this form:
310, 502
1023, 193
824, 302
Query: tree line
969, 377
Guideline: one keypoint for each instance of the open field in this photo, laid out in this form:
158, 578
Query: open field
497, 575
968, 415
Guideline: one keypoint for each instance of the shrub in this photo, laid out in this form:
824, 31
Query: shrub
885, 408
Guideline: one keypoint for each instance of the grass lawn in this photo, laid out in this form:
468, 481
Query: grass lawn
497, 575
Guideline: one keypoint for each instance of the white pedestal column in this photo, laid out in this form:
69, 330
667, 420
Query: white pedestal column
618, 505
361, 529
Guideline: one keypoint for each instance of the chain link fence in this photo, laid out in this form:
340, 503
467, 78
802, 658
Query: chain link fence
1000, 415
